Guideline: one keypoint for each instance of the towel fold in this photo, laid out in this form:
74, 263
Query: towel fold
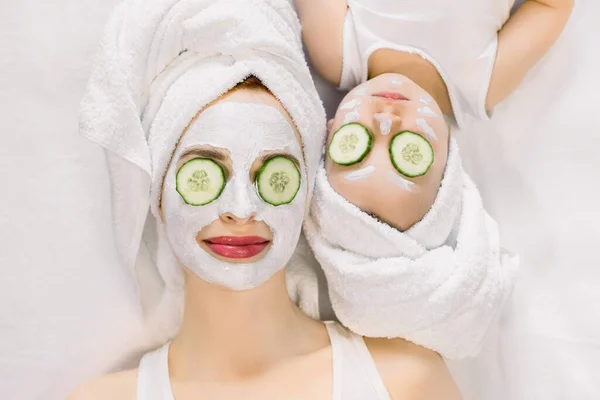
440, 284
159, 64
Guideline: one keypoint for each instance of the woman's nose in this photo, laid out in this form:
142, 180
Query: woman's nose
237, 203
231, 218
386, 121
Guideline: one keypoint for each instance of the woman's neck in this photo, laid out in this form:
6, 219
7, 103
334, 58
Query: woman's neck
414, 67
228, 335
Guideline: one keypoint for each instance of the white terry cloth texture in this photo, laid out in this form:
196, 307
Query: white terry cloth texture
439, 284
159, 64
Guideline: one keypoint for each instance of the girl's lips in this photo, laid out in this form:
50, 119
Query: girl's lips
390, 96
237, 247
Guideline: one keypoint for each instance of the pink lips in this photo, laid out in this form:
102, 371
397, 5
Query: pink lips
237, 247
391, 96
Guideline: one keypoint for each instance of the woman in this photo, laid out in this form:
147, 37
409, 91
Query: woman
256, 343
231, 177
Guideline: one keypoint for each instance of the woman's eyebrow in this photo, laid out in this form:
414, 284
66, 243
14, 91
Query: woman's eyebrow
265, 157
205, 153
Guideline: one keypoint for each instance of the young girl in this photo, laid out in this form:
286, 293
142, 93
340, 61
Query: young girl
400, 230
467, 54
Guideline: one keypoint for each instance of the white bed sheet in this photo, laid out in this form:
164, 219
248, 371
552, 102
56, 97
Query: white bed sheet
67, 310
537, 165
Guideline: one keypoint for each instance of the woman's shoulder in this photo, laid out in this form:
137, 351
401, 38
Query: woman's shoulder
117, 386
411, 371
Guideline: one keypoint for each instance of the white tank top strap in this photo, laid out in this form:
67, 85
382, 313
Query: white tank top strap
355, 376
153, 382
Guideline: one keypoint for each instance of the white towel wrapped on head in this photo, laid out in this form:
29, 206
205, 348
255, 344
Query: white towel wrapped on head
440, 284
160, 63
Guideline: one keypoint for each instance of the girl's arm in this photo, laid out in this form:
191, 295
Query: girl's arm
322, 31
523, 40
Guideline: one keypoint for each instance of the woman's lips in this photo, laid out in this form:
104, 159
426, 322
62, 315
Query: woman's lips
390, 96
237, 247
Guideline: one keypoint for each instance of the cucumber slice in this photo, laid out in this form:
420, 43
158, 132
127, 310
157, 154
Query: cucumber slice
200, 181
278, 181
411, 154
350, 144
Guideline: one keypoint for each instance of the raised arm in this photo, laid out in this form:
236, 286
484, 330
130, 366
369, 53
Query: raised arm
523, 40
322, 31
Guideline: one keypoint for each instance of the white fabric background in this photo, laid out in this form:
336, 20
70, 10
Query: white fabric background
537, 166
68, 312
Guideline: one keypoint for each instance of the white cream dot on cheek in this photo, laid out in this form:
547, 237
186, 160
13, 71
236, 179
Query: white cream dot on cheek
349, 105
360, 92
351, 116
400, 182
428, 112
360, 175
427, 129
425, 100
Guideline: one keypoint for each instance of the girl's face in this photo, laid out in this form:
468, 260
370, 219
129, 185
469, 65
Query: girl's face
383, 181
235, 192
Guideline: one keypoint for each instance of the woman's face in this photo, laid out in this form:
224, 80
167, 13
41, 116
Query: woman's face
386, 106
235, 193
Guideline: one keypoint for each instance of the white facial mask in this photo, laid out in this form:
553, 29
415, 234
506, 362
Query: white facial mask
247, 131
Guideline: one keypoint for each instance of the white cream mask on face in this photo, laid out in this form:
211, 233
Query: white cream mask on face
246, 131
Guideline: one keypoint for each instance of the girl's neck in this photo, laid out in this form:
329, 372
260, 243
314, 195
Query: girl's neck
414, 67
228, 335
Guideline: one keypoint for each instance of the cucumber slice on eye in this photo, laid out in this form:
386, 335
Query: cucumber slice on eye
200, 181
350, 144
278, 181
411, 154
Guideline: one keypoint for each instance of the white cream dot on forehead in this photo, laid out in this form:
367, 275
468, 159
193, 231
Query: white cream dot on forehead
400, 182
428, 112
427, 129
350, 104
360, 174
